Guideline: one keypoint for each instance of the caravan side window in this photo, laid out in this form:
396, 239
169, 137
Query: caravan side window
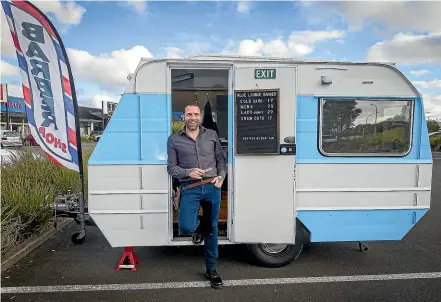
364, 127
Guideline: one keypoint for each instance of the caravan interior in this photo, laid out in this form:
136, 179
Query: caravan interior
208, 88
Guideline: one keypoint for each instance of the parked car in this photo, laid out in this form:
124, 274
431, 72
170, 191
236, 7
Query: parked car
10, 139
8, 156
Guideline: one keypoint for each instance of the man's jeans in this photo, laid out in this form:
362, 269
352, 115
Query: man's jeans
209, 196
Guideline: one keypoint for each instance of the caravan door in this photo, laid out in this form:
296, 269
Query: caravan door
264, 154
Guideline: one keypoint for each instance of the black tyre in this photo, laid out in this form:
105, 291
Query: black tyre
275, 255
278, 255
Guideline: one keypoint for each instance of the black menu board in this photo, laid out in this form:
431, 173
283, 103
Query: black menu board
257, 121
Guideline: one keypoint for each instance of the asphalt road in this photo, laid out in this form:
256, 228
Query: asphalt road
176, 274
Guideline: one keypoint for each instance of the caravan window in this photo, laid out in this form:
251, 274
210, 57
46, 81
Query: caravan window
354, 127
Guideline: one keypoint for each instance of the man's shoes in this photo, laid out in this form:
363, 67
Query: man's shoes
213, 276
197, 237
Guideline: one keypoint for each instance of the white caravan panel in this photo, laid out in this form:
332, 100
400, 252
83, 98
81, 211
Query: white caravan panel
264, 205
130, 203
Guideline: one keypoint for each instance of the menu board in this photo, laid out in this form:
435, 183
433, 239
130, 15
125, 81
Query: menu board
257, 121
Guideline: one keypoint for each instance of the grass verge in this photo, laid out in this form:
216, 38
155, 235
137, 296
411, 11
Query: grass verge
435, 143
29, 185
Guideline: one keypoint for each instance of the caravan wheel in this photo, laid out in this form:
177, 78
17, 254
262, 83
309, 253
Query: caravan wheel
276, 255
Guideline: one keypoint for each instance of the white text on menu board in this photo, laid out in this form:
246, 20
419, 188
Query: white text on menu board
257, 138
247, 107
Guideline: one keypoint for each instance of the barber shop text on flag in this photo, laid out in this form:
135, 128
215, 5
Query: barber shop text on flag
48, 87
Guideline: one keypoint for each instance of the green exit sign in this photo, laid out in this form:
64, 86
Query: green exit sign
265, 74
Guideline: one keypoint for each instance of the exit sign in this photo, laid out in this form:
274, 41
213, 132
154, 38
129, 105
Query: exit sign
265, 74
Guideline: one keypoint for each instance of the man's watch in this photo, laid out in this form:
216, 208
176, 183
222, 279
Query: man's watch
221, 178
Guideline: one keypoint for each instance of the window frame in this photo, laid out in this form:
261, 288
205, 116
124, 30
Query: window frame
368, 99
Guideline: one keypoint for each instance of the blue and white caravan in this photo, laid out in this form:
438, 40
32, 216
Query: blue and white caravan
317, 151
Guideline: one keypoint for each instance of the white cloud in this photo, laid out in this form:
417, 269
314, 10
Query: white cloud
106, 69
310, 36
173, 52
299, 43
243, 6
428, 84
8, 70
15, 90
432, 106
197, 46
140, 6
396, 15
186, 45
93, 100
96, 100
66, 12
251, 48
407, 48
419, 73
7, 46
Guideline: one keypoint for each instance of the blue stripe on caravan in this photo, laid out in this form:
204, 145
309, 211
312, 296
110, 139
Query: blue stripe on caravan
359, 225
123, 142
307, 137
425, 150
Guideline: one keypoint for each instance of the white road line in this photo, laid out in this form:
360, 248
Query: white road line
200, 284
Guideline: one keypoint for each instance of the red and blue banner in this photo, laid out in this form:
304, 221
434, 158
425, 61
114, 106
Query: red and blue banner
48, 88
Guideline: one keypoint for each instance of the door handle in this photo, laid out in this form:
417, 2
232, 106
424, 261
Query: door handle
289, 139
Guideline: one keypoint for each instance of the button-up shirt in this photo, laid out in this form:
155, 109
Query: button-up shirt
205, 152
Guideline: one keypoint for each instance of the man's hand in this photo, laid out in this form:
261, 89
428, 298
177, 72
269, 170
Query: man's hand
197, 173
218, 181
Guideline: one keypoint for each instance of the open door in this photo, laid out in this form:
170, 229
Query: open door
264, 155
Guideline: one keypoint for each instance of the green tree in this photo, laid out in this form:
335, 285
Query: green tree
432, 126
339, 116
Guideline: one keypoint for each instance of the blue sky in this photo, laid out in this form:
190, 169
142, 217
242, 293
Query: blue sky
105, 40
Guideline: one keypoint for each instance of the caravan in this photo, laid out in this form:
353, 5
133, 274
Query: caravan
317, 151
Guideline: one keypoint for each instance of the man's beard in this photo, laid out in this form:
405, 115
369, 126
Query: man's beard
192, 125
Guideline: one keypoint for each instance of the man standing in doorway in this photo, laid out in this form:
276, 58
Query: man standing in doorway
196, 159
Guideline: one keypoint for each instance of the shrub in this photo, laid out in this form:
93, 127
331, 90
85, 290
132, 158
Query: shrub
27, 189
29, 185
394, 139
435, 143
177, 126
432, 126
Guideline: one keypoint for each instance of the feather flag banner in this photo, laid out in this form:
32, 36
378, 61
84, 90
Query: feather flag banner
48, 87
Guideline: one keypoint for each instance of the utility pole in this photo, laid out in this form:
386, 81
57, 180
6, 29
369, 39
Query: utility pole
375, 125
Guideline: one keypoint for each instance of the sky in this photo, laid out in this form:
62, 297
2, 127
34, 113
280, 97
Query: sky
106, 39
